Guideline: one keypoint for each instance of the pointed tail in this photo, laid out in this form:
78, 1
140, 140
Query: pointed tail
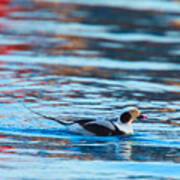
65, 123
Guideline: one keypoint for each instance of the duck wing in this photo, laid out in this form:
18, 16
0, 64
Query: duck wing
101, 128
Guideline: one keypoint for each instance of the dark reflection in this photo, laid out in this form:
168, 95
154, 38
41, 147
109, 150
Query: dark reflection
86, 148
160, 154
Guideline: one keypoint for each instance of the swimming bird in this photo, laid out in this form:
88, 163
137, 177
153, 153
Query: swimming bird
121, 125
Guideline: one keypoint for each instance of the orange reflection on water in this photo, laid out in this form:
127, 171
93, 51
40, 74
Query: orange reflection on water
70, 156
166, 110
87, 71
49, 147
67, 44
63, 9
175, 23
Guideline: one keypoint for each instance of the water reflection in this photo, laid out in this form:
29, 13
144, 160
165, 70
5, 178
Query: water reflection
85, 148
71, 31
72, 59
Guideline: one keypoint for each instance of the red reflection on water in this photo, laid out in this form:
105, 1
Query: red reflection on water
2, 136
6, 149
6, 101
23, 71
4, 2
3, 10
27, 120
6, 49
3, 7
11, 94
39, 83
2, 63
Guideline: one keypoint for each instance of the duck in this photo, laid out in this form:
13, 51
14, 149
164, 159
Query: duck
121, 125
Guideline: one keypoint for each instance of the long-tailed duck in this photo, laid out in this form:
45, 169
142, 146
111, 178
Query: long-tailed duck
94, 127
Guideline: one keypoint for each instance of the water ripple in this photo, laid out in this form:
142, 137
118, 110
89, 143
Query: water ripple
75, 59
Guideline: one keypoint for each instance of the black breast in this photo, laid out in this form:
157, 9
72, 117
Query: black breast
118, 132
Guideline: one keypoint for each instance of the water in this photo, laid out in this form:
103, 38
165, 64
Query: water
74, 58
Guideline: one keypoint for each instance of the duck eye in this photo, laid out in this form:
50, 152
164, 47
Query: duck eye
125, 117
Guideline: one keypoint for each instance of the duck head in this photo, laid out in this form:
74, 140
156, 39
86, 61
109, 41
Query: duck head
129, 114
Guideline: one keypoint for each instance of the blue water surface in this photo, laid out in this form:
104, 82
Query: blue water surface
71, 59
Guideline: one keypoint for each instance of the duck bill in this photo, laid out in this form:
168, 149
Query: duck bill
142, 116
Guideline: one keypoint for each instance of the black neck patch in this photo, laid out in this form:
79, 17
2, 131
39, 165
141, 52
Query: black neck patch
125, 117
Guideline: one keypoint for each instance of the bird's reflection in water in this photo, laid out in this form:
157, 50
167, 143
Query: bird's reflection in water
69, 146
